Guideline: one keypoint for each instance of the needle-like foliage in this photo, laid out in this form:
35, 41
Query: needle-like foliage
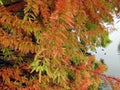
43, 43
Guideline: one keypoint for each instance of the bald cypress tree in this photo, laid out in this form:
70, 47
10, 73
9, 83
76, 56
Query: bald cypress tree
43, 43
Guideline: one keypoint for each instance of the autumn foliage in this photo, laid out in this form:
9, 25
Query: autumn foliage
39, 46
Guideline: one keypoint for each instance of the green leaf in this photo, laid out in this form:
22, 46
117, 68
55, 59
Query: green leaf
91, 25
1, 3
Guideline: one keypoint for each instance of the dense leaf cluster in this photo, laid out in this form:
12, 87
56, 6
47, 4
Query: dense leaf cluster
43, 43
